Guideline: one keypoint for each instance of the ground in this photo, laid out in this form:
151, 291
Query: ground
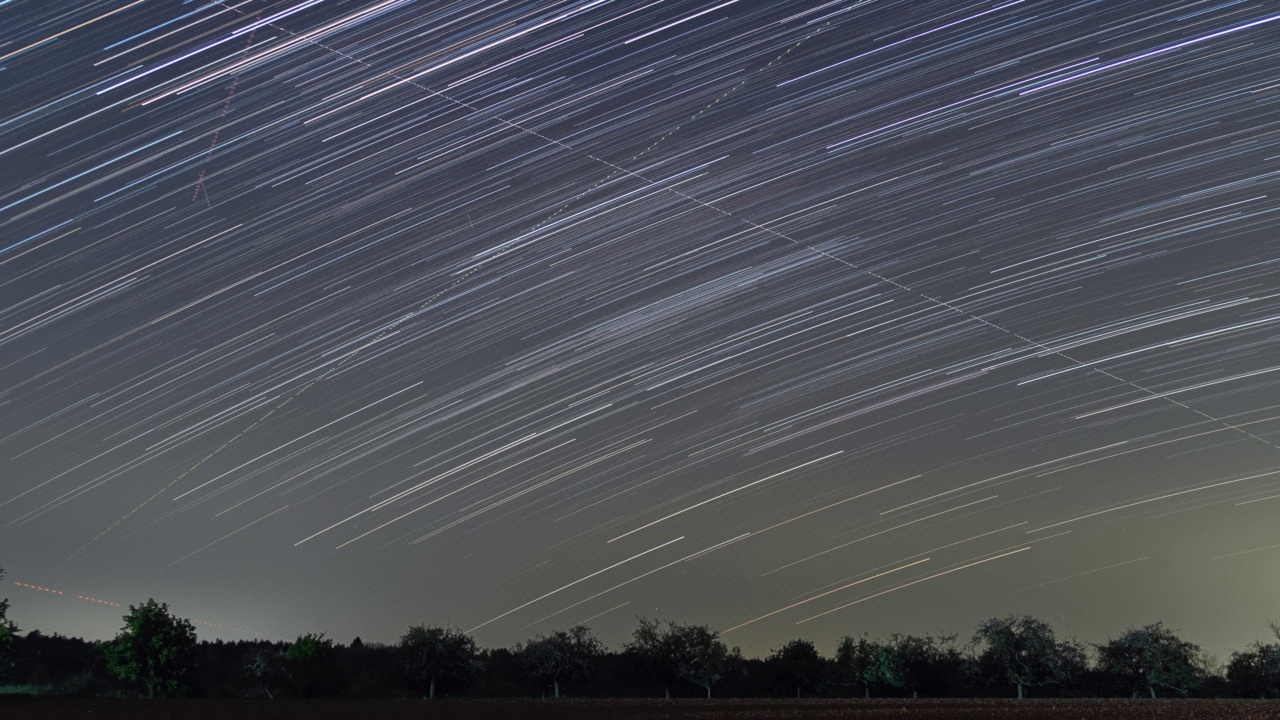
1088, 709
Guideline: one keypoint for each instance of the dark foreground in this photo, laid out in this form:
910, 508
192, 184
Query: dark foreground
1087, 709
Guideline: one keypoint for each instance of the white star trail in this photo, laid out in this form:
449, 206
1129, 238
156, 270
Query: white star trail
429, 308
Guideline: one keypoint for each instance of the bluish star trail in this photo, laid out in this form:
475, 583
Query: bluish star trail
798, 319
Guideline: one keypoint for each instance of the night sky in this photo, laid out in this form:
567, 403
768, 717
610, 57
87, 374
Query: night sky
800, 319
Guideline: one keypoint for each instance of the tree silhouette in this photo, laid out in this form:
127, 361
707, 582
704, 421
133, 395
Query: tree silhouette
798, 665
656, 651
1256, 671
149, 656
700, 656
265, 667
1152, 658
311, 666
434, 656
1023, 651
916, 663
563, 656
693, 653
863, 662
154, 652
8, 631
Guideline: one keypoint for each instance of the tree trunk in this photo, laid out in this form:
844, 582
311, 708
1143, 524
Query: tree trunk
797, 692
866, 691
557, 682
668, 690
432, 695
708, 687
1153, 692
269, 695
1020, 691
915, 694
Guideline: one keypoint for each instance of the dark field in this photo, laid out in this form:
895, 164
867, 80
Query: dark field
1086, 709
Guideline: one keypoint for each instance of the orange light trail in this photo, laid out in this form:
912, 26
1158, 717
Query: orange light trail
86, 598
37, 587
913, 582
815, 597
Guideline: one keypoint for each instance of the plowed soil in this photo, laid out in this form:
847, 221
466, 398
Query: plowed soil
261, 709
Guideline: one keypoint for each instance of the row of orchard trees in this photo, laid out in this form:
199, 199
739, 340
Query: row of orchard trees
1019, 650
155, 654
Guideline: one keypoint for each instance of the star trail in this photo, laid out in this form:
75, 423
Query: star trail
799, 319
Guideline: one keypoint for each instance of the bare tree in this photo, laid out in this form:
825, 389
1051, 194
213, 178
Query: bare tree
266, 668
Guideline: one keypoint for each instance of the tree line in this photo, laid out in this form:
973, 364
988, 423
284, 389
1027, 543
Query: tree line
157, 654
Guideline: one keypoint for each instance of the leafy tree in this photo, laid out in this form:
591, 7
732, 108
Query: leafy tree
437, 655
693, 653
700, 656
311, 666
1072, 662
266, 668
1256, 671
863, 662
563, 656
1152, 658
917, 663
654, 648
798, 665
1023, 651
8, 631
154, 651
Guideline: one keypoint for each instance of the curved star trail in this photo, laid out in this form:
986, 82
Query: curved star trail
325, 315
